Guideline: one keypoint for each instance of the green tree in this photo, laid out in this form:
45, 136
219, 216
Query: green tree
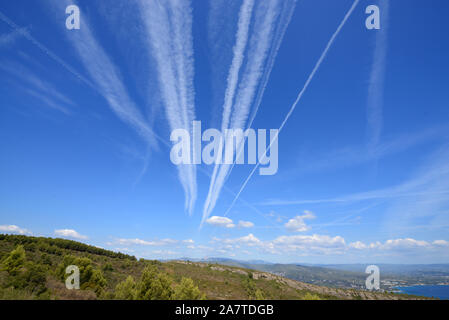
90, 277
108, 267
251, 290
96, 282
15, 261
187, 290
126, 290
84, 265
154, 285
46, 260
258, 295
35, 278
310, 296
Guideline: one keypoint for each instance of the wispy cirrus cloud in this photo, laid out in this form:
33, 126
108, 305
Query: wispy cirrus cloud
246, 84
351, 156
429, 203
168, 29
37, 87
429, 181
106, 77
10, 37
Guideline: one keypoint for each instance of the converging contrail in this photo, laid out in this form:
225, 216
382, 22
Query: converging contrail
241, 41
284, 18
301, 93
271, 19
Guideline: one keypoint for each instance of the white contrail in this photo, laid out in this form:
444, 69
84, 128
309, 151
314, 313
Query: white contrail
183, 42
309, 79
168, 26
241, 41
241, 114
260, 44
376, 82
239, 50
251, 74
183, 58
264, 45
97, 89
284, 21
285, 17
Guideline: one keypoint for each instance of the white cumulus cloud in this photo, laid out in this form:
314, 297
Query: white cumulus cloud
220, 222
70, 233
297, 223
358, 245
250, 240
136, 241
441, 243
245, 224
13, 229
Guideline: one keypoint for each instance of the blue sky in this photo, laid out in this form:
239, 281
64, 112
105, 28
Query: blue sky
86, 117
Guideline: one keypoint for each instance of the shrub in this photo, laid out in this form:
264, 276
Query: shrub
187, 290
35, 278
310, 296
90, 278
23, 274
46, 260
154, 285
258, 295
15, 261
126, 290
108, 267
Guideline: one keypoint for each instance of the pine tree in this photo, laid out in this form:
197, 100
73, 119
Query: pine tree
15, 261
154, 285
126, 290
187, 290
310, 296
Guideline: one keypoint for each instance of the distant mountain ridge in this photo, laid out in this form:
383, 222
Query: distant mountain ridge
345, 275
